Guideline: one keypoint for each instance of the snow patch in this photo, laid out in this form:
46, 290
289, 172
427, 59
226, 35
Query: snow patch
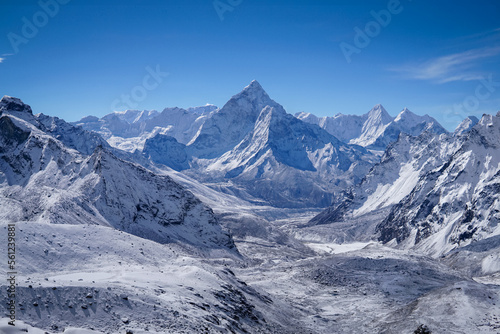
388, 194
333, 248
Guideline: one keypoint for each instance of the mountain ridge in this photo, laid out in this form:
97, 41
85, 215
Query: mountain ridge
448, 190
45, 179
241, 148
375, 129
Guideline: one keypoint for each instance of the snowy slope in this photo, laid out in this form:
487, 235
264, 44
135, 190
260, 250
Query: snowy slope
376, 122
102, 279
457, 203
344, 127
144, 287
466, 125
373, 289
44, 180
439, 192
393, 178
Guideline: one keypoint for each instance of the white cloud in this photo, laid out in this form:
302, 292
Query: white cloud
4, 56
453, 67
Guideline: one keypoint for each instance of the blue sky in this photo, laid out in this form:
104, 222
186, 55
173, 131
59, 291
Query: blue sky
71, 58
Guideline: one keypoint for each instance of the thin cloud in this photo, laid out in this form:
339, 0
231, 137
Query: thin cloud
482, 37
453, 67
3, 57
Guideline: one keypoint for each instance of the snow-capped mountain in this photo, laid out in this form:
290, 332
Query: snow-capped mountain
344, 127
435, 192
376, 122
46, 179
75, 138
228, 126
466, 125
129, 130
131, 116
405, 122
393, 178
288, 162
458, 202
168, 151
375, 129
253, 147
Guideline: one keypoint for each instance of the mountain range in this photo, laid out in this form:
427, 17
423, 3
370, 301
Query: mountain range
247, 219
436, 192
55, 173
375, 129
252, 147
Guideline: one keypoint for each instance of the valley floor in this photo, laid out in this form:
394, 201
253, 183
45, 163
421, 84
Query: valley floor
288, 278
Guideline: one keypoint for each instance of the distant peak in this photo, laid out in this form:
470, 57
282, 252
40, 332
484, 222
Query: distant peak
88, 119
405, 113
378, 109
128, 111
254, 83
207, 108
466, 125
302, 114
14, 104
379, 113
253, 87
254, 92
